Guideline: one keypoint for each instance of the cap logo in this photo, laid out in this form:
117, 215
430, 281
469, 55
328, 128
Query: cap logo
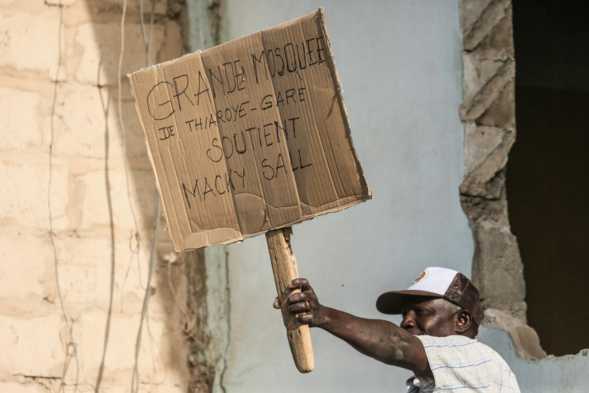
418, 279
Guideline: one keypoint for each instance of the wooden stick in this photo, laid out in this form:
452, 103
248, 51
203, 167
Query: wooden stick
284, 265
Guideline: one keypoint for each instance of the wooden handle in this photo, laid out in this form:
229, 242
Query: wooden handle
284, 265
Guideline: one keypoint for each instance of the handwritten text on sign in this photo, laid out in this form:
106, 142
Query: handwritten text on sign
250, 135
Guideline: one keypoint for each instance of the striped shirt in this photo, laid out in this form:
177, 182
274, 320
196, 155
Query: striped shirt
461, 364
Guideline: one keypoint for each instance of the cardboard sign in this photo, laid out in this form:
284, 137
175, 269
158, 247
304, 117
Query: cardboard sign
249, 136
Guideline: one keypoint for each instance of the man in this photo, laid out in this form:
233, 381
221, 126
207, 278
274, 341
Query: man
436, 340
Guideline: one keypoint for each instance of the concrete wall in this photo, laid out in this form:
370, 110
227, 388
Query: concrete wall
400, 67
77, 204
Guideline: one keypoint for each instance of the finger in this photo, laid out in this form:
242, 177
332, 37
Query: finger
301, 307
276, 303
297, 297
302, 283
305, 318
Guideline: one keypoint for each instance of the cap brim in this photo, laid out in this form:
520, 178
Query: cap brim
393, 302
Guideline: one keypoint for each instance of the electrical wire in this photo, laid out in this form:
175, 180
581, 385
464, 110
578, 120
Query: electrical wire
147, 45
135, 376
71, 346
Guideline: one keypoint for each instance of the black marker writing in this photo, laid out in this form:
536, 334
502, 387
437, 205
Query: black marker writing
213, 186
167, 132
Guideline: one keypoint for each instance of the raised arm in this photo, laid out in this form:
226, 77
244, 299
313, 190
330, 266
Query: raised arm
379, 339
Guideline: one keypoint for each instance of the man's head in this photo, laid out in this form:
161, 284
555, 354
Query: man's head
441, 302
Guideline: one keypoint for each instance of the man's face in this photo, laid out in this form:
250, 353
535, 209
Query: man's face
432, 317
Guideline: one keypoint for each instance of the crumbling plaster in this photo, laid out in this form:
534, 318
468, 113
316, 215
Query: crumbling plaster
488, 114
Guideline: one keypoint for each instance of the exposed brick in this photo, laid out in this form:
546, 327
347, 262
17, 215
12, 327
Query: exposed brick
95, 206
64, 3
19, 118
498, 44
470, 12
477, 73
81, 122
81, 388
167, 389
31, 346
480, 142
114, 387
102, 47
162, 358
501, 113
28, 41
85, 268
143, 190
133, 134
82, 116
481, 24
13, 387
488, 111
24, 193
486, 151
485, 97
32, 351
107, 11
502, 281
120, 354
24, 272
170, 48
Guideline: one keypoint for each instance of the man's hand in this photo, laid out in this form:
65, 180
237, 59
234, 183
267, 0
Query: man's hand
381, 340
304, 305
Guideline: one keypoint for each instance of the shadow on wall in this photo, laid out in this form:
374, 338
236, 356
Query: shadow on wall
120, 195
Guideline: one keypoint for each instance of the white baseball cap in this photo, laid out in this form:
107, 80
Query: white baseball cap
437, 282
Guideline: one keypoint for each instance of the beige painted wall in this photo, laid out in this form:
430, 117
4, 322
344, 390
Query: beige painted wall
77, 205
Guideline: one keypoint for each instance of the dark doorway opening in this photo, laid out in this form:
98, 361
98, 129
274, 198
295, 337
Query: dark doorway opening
548, 169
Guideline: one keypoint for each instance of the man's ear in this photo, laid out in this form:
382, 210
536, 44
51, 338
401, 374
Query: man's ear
463, 321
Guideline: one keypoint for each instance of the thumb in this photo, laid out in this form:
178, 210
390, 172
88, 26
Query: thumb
276, 304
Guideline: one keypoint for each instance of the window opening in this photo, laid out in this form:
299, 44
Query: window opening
548, 170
